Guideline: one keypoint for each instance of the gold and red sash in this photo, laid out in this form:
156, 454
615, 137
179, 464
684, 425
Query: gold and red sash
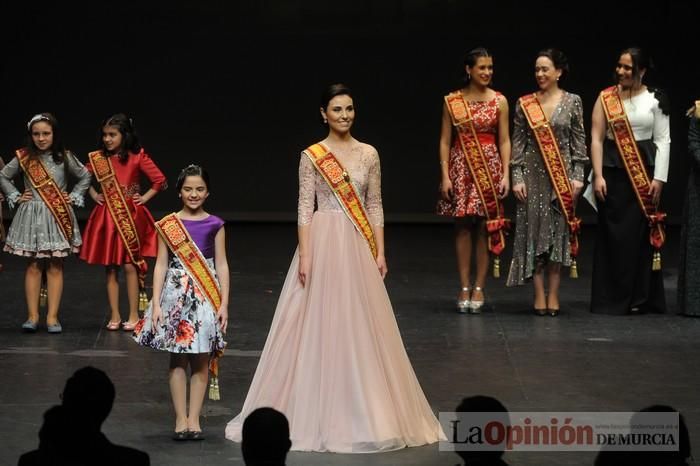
339, 181
634, 165
49, 192
179, 241
119, 210
496, 224
556, 168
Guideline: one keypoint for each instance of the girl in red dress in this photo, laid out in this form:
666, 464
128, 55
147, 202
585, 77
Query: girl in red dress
102, 243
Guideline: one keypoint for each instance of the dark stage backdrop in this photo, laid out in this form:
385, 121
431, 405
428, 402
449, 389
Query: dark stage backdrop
235, 85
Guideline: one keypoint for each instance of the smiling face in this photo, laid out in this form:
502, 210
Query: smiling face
625, 72
482, 71
340, 114
42, 135
112, 138
546, 73
194, 192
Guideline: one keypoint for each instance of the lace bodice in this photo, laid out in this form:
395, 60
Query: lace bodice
361, 161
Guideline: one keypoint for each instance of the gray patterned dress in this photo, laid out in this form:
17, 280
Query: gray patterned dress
34, 231
541, 233
689, 267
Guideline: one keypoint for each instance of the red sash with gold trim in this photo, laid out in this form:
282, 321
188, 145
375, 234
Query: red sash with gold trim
339, 181
119, 210
496, 224
178, 239
634, 165
556, 168
49, 192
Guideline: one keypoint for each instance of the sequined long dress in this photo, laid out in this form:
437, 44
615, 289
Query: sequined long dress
334, 362
541, 232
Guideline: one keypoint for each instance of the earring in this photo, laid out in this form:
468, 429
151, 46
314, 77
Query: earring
325, 122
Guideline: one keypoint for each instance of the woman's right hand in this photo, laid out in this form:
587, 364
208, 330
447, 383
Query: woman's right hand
304, 269
600, 188
156, 315
99, 198
446, 189
520, 192
26, 196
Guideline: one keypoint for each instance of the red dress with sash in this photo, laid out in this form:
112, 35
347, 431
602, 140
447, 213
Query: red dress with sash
101, 241
465, 198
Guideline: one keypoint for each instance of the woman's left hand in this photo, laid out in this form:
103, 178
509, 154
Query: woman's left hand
503, 187
138, 200
381, 265
655, 191
222, 317
576, 187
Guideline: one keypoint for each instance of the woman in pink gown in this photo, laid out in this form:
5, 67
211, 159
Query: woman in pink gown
334, 362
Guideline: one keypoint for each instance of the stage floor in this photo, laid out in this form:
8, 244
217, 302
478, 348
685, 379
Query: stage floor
575, 362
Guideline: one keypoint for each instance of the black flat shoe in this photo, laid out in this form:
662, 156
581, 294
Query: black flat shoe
180, 436
540, 312
195, 435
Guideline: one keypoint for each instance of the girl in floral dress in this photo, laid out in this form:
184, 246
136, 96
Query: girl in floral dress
182, 318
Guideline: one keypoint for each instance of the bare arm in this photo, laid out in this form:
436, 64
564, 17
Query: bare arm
159, 271
445, 143
222, 273
598, 125
504, 145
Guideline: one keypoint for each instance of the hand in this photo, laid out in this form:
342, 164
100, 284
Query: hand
26, 196
67, 197
503, 187
156, 315
446, 189
138, 200
520, 192
222, 317
381, 265
655, 191
600, 188
99, 199
576, 187
304, 269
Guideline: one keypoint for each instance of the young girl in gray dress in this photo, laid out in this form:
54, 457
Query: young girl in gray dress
35, 233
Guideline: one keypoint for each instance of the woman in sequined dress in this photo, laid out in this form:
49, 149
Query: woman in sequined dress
459, 196
541, 242
334, 362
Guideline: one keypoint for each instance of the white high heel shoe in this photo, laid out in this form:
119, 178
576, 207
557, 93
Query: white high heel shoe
475, 306
463, 305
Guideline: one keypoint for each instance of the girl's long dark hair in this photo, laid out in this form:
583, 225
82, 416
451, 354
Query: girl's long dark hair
130, 140
58, 150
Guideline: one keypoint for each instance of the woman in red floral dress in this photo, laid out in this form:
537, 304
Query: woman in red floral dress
459, 194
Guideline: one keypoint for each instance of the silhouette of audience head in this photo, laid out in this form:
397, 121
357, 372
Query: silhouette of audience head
482, 404
265, 438
89, 395
651, 458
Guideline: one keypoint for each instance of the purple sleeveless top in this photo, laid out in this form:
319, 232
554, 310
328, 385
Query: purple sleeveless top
203, 233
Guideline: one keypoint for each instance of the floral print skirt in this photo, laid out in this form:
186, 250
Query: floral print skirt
189, 319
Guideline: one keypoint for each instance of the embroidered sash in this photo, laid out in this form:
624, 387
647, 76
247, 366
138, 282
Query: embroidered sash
634, 165
339, 181
49, 192
119, 210
496, 224
178, 239
556, 168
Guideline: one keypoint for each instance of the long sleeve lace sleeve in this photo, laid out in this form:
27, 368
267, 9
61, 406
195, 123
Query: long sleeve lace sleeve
577, 141
662, 140
519, 141
307, 187
78, 170
7, 174
373, 202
